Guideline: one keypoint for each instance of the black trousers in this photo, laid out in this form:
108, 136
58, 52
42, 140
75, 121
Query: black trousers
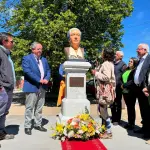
130, 100
116, 107
144, 109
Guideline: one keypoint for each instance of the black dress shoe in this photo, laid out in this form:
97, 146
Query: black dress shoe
40, 128
139, 131
28, 131
146, 136
115, 123
4, 136
129, 126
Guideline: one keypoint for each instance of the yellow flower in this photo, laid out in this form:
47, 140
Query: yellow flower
103, 127
68, 127
92, 121
59, 128
92, 133
54, 134
84, 128
84, 116
90, 129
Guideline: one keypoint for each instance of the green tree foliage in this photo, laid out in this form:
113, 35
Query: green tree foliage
48, 21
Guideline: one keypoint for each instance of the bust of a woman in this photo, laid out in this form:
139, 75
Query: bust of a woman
74, 51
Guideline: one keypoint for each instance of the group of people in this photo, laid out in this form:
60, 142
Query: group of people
114, 79
36, 76
132, 82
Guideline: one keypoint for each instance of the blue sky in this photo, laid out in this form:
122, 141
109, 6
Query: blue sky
137, 28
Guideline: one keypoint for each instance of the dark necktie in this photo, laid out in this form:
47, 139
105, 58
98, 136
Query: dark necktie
38, 60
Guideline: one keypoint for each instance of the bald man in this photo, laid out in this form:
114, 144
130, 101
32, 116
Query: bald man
120, 67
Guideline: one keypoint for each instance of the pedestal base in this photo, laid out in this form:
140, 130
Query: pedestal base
73, 107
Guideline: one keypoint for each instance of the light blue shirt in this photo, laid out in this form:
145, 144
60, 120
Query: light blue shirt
138, 70
13, 69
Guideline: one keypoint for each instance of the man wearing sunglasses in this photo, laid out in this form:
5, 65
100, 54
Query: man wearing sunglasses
7, 81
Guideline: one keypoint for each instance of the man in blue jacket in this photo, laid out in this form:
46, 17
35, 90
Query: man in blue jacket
36, 76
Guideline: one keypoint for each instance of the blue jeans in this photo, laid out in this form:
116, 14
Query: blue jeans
6, 96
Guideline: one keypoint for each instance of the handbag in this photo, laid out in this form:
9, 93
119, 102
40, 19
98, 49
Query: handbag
105, 92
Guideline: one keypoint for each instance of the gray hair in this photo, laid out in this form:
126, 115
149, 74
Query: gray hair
72, 29
145, 46
4, 37
120, 52
33, 45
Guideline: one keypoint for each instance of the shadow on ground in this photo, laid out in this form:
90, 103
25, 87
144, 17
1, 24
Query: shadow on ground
131, 132
12, 129
50, 100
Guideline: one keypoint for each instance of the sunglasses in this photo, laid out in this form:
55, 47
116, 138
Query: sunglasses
10, 41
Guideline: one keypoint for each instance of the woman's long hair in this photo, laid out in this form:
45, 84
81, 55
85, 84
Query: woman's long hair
135, 62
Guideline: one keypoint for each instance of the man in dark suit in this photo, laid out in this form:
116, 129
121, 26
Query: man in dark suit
7, 81
116, 108
139, 77
36, 76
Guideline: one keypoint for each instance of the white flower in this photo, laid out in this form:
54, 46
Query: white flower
80, 132
63, 138
70, 134
87, 134
84, 122
97, 131
65, 132
73, 123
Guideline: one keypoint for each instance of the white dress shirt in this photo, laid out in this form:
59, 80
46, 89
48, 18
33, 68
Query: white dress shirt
138, 70
40, 65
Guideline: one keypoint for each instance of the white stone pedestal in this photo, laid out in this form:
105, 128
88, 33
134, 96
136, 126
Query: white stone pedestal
75, 101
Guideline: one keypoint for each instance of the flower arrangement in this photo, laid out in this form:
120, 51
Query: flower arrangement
81, 127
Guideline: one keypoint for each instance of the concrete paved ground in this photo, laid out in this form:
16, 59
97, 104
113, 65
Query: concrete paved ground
122, 139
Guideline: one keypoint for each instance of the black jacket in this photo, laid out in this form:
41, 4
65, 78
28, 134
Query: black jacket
119, 68
144, 70
147, 80
130, 81
6, 73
